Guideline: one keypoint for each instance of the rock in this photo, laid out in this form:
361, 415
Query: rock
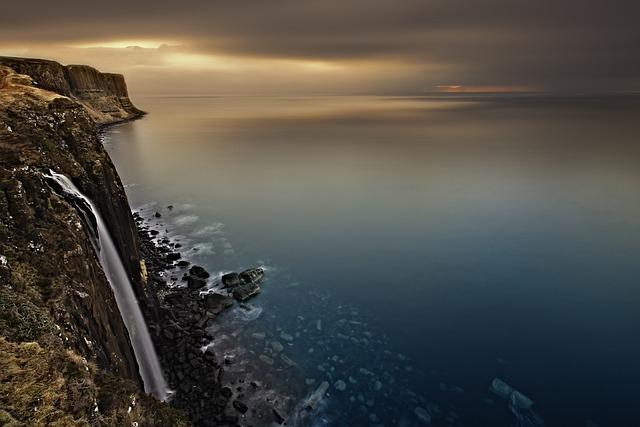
195, 283
422, 414
183, 263
216, 303
287, 360
286, 336
173, 256
340, 385
317, 395
226, 392
240, 407
516, 398
170, 207
231, 280
199, 272
279, 418
244, 292
157, 215
266, 359
252, 275
276, 346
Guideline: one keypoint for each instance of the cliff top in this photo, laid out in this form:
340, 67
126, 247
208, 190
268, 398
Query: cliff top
104, 95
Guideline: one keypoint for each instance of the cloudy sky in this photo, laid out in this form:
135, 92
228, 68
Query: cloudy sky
337, 46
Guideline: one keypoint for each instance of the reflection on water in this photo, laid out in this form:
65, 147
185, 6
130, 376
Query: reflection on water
478, 238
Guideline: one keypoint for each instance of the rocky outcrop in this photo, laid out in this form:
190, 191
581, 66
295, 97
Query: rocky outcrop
104, 95
57, 310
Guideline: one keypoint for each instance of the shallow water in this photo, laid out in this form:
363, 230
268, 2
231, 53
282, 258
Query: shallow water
449, 241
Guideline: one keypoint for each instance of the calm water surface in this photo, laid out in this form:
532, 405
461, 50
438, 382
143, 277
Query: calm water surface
441, 243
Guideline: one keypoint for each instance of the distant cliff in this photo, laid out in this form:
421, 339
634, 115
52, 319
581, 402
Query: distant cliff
104, 95
65, 355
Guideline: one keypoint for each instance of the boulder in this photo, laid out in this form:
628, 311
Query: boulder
231, 280
199, 272
173, 256
215, 303
244, 292
195, 283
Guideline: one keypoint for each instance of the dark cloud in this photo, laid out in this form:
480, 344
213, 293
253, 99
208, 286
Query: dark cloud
563, 44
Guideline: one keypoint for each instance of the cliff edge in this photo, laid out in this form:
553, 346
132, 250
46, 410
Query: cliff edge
104, 95
65, 355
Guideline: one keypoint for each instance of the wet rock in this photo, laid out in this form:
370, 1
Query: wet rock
240, 407
340, 385
278, 418
252, 275
157, 214
244, 292
226, 392
195, 283
199, 272
172, 256
216, 303
183, 263
231, 280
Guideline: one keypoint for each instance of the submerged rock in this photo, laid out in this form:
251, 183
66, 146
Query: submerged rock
505, 391
422, 415
317, 395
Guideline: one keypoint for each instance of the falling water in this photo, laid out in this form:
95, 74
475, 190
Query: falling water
146, 357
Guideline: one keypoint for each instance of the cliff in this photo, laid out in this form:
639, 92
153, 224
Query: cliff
65, 355
104, 95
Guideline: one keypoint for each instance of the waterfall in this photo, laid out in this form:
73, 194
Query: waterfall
143, 349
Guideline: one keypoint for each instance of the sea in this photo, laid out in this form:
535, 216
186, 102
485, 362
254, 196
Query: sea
419, 251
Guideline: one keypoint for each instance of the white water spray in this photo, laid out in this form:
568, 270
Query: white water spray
143, 349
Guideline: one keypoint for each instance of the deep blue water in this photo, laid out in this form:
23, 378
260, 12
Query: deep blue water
441, 243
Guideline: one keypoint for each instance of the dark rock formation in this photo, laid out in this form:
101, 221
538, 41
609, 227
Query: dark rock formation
104, 95
56, 306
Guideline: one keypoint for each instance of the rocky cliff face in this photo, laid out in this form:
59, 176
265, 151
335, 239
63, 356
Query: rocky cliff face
65, 355
104, 95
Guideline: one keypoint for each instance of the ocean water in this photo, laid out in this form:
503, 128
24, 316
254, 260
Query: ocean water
416, 248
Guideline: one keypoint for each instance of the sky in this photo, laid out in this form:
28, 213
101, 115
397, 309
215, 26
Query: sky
289, 47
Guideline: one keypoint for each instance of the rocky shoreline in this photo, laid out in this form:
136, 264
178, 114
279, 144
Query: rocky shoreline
180, 318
